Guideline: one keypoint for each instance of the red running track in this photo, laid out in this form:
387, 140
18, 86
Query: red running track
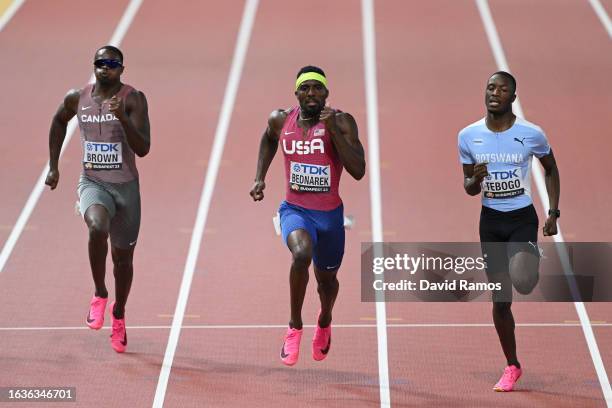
433, 58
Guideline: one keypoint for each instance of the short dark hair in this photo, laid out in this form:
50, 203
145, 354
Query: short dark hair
509, 77
310, 68
112, 49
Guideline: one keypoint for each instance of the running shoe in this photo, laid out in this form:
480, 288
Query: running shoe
507, 381
321, 342
119, 334
95, 317
291, 346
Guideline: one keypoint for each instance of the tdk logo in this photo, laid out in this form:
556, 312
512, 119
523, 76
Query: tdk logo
102, 147
503, 175
302, 147
311, 170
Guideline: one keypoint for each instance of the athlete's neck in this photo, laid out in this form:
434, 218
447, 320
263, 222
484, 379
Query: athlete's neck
500, 122
106, 91
307, 121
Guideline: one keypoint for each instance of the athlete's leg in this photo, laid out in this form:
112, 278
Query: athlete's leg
123, 270
98, 222
327, 286
523, 252
524, 271
300, 244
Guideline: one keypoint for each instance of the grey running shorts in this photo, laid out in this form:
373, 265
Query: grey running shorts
121, 200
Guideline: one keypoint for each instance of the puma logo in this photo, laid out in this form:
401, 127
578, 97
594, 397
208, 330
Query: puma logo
520, 140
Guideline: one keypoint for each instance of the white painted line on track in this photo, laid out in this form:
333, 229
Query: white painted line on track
242, 43
10, 12
369, 57
603, 16
502, 64
28, 208
281, 326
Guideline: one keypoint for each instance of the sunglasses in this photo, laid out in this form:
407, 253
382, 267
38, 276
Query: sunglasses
109, 63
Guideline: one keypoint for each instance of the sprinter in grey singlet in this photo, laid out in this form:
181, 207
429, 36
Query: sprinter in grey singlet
114, 126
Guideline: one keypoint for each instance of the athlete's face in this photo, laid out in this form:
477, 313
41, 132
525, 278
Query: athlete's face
499, 94
107, 73
312, 95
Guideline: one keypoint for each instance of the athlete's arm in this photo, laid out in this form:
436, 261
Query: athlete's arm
553, 188
267, 151
57, 134
344, 136
134, 118
473, 174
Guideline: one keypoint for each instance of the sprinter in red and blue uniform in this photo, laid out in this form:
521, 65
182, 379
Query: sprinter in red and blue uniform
318, 142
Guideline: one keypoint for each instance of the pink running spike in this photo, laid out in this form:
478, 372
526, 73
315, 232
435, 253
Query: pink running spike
119, 334
95, 317
507, 381
291, 346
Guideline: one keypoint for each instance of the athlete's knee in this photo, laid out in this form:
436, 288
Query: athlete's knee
525, 284
328, 284
98, 230
524, 272
302, 255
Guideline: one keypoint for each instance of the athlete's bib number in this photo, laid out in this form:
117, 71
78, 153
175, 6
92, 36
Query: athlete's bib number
503, 184
311, 178
102, 156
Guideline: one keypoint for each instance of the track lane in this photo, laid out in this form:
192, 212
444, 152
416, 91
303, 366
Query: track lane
444, 80
54, 50
182, 131
241, 276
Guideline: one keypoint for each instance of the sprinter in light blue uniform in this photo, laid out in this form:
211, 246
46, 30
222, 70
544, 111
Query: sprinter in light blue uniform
508, 157
496, 154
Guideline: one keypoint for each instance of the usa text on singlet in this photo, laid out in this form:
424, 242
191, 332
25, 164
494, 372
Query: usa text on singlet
312, 165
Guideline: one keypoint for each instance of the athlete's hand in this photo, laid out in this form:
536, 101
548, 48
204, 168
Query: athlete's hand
550, 226
257, 190
480, 171
116, 106
328, 117
52, 178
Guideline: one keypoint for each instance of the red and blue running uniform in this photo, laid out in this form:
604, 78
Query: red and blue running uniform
312, 170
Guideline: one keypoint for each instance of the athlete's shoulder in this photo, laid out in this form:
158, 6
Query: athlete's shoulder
479, 124
525, 124
72, 97
277, 118
472, 128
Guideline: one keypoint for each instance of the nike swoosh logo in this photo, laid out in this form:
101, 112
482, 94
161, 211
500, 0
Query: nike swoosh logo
132, 243
289, 133
85, 107
124, 342
332, 267
283, 355
88, 319
326, 349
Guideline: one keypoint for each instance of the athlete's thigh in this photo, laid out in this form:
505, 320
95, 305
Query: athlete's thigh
125, 226
92, 196
297, 229
524, 256
329, 251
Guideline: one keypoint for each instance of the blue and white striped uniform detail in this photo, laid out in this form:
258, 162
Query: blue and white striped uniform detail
508, 155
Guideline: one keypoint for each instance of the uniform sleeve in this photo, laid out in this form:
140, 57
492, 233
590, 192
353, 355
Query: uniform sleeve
465, 157
540, 146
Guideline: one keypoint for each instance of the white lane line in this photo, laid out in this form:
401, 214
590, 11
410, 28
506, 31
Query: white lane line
280, 326
242, 43
28, 208
369, 57
603, 16
502, 64
10, 12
